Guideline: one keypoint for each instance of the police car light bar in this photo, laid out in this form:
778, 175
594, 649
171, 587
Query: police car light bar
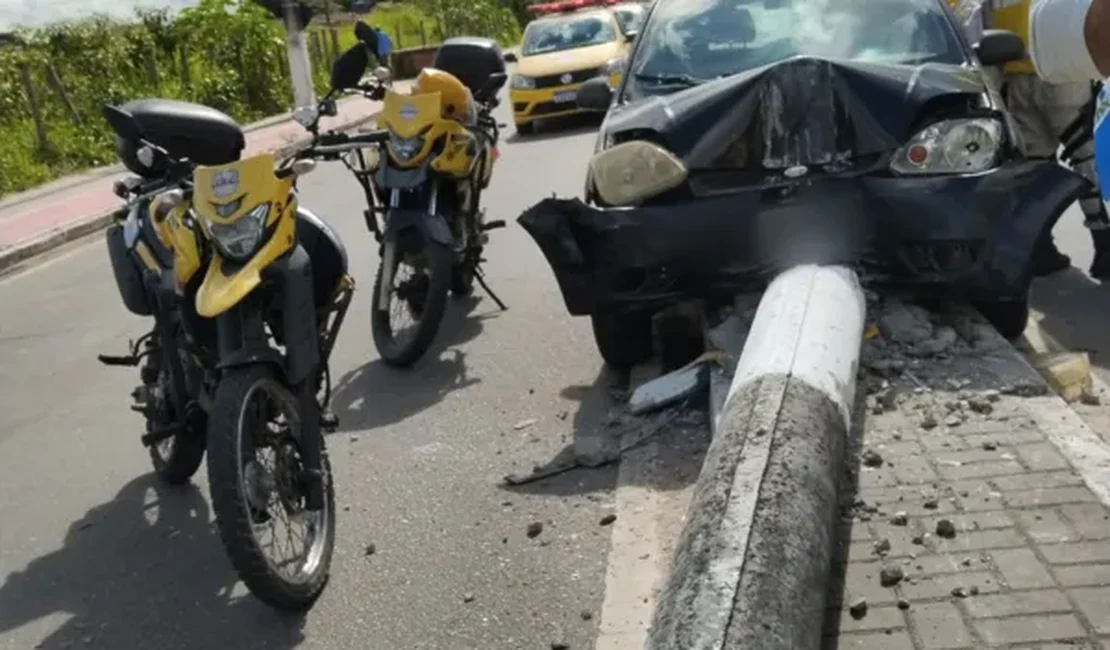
568, 5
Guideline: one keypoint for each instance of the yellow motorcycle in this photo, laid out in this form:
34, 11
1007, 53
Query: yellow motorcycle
439, 158
155, 250
276, 287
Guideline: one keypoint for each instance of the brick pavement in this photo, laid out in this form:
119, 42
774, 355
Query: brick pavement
1028, 565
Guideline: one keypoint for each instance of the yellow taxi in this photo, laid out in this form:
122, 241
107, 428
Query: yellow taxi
571, 42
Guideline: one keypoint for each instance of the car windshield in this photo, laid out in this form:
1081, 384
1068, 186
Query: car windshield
629, 17
567, 32
688, 41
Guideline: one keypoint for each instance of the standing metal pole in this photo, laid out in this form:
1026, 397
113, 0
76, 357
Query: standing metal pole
300, 68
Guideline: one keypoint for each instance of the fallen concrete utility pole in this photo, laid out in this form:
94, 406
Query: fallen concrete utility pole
753, 561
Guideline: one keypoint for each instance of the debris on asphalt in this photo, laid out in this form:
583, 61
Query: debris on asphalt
670, 388
946, 529
468, 598
534, 529
903, 604
900, 518
959, 592
871, 458
881, 547
370, 550
592, 452
608, 519
587, 615
559, 645
524, 424
858, 608
890, 575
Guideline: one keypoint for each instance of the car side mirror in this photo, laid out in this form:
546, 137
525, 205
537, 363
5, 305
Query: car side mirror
998, 47
595, 94
631, 35
510, 57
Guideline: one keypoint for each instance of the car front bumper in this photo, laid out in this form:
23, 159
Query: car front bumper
970, 235
531, 105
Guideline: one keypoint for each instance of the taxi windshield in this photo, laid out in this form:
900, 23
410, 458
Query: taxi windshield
567, 32
697, 40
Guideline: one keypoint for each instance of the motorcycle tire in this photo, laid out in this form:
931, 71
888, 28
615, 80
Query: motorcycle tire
440, 276
233, 510
184, 459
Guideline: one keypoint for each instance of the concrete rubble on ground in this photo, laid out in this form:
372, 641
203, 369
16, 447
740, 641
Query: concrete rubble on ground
968, 528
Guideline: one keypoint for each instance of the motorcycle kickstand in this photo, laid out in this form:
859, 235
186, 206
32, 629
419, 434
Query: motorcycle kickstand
480, 277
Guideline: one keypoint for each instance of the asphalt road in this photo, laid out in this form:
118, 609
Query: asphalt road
94, 553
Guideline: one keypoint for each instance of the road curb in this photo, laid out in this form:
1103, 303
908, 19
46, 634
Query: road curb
754, 558
52, 239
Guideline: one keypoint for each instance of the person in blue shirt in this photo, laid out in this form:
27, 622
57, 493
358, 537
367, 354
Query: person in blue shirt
385, 47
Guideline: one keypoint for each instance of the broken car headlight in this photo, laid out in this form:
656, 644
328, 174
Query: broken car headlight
405, 149
961, 146
633, 171
241, 238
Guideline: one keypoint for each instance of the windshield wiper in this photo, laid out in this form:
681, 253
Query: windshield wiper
669, 79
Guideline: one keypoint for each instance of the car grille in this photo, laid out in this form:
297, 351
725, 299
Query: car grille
578, 76
941, 258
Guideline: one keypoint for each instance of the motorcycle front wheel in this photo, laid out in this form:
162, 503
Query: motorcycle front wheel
255, 418
420, 280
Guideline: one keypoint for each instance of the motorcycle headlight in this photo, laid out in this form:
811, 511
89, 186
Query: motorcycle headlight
405, 149
961, 146
520, 82
241, 238
633, 171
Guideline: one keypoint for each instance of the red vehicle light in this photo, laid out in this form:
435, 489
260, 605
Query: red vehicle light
563, 6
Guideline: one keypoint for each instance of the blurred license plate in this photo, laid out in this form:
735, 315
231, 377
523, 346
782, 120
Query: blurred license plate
565, 96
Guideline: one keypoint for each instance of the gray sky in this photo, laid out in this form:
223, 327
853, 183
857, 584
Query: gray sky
39, 12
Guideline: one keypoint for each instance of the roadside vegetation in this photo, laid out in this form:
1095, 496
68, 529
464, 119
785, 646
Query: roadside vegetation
229, 54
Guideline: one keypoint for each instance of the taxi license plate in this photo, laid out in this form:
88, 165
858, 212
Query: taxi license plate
565, 96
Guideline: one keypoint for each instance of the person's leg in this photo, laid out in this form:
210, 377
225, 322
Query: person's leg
1065, 103
1025, 96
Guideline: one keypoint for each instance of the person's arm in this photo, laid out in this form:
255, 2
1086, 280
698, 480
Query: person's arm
1069, 40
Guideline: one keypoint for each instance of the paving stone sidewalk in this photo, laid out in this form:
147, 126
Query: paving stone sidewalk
970, 528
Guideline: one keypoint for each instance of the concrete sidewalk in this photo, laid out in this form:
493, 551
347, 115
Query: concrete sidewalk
980, 518
38, 220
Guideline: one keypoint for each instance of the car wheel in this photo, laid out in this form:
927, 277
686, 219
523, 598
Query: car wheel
624, 340
528, 128
1009, 315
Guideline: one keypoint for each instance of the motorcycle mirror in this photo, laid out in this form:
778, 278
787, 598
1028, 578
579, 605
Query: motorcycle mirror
349, 67
122, 122
329, 108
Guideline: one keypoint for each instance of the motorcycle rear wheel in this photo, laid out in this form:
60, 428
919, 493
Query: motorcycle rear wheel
438, 268
177, 458
235, 498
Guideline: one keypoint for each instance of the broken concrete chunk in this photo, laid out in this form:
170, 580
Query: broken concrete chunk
890, 575
858, 608
904, 323
1068, 373
669, 389
942, 341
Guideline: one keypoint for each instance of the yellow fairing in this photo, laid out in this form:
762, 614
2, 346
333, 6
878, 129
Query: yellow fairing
1013, 15
453, 95
423, 114
224, 287
180, 239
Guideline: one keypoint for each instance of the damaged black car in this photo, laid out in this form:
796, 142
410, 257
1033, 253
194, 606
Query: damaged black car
749, 136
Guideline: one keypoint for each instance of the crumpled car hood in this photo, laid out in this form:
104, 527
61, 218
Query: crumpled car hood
807, 110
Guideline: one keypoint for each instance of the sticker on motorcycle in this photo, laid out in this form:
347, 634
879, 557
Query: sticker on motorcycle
225, 183
1102, 143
